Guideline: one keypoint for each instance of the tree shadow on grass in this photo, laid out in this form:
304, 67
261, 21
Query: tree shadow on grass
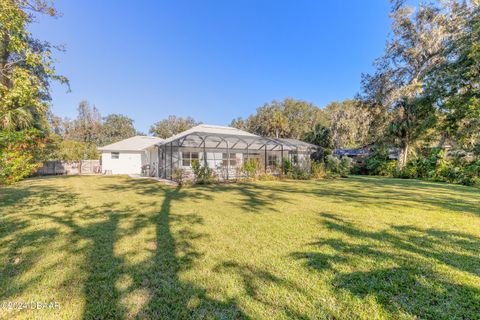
456, 198
358, 191
377, 192
18, 257
169, 297
442, 188
397, 288
101, 266
22, 244
91, 232
157, 283
404, 268
30, 196
418, 292
154, 284
254, 198
255, 280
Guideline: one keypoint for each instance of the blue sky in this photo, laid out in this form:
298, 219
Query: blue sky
212, 60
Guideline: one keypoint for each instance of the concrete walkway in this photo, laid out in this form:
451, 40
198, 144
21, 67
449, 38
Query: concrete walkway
166, 181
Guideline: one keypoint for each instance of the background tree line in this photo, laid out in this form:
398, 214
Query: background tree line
347, 122
79, 138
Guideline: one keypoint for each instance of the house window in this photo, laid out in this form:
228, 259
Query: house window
272, 160
188, 157
115, 155
226, 160
295, 159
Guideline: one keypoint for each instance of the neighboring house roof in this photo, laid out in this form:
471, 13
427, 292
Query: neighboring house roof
137, 143
208, 128
364, 152
351, 152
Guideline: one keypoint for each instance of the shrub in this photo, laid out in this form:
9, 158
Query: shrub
274, 167
436, 167
178, 175
359, 168
203, 174
340, 167
299, 173
250, 167
345, 166
430, 164
378, 163
387, 169
469, 174
19, 155
332, 163
424, 166
408, 172
287, 166
318, 170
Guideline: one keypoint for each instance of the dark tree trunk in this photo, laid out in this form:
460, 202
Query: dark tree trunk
4, 56
403, 155
443, 138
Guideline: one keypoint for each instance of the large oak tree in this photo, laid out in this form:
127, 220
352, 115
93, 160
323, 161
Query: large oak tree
397, 86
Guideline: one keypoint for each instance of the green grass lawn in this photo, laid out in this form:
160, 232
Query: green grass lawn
356, 248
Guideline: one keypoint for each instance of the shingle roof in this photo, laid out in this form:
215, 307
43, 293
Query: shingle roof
207, 128
137, 143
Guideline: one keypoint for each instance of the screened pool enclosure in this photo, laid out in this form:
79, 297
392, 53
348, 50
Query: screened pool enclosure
225, 150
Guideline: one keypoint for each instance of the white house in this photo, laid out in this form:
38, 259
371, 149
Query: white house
134, 155
223, 149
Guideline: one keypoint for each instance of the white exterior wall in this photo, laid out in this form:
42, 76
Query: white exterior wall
151, 156
127, 162
151, 159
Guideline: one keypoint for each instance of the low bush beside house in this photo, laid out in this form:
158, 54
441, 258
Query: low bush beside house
179, 176
340, 167
298, 173
203, 174
250, 168
318, 170
287, 166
